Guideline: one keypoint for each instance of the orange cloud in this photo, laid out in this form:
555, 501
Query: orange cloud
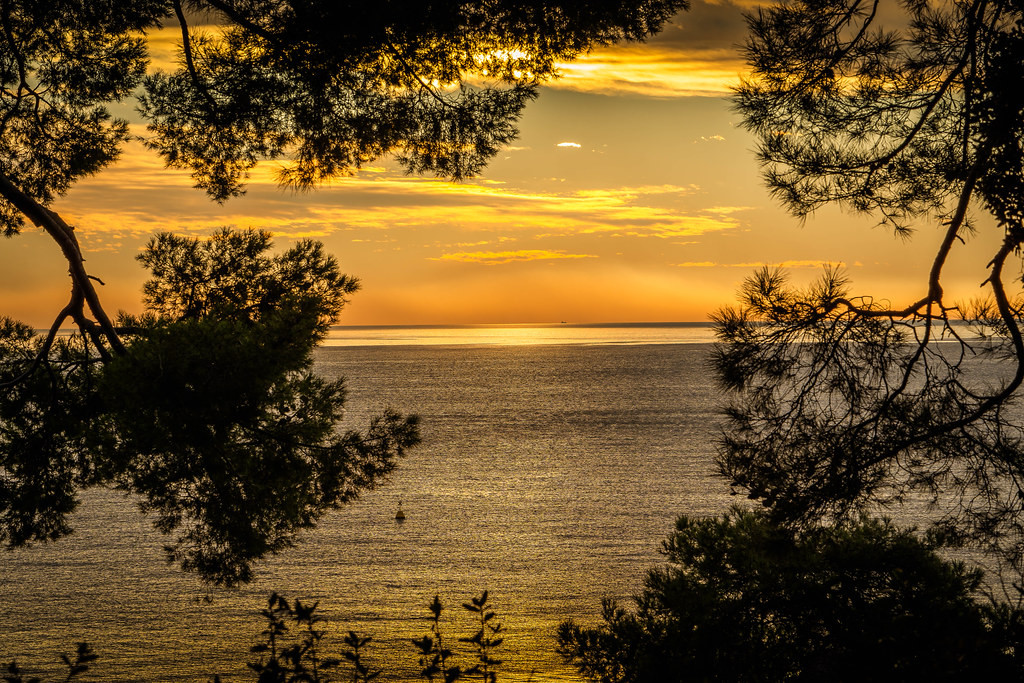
653, 71
758, 264
493, 258
666, 70
139, 196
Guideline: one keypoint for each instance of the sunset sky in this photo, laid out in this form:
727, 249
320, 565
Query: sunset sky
631, 195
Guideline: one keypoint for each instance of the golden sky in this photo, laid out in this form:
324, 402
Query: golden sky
631, 195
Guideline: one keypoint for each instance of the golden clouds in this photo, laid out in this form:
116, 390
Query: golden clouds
653, 72
139, 196
806, 263
493, 258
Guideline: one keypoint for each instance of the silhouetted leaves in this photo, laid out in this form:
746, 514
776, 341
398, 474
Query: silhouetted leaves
61, 64
84, 656
842, 402
331, 86
206, 405
285, 657
744, 599
436, 659
213, 415
46, 406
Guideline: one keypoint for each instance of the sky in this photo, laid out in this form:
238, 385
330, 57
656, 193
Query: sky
631, 195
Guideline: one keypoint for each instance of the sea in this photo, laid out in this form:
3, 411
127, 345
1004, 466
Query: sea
555, 460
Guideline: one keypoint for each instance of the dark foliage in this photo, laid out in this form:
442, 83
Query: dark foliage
286, 659
333, 85
843, 402
291, 649
61, 63
745, 599
437, 659
212, 414
205, 405
84, 656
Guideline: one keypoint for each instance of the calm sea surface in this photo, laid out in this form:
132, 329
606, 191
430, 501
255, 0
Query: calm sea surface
554, 461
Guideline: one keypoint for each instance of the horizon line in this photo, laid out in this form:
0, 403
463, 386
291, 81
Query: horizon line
457, 326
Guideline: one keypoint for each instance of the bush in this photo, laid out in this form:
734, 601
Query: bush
290, 649
744, 599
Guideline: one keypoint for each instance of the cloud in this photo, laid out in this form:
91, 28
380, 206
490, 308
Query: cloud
575, 145
493, 258
728, 210
649, 71
139, 196
761, 264
709, 24
697, 54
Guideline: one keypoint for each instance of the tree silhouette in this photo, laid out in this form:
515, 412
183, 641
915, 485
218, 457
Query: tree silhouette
234, 446
212, 414
332, 86
742, 598
846, 401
